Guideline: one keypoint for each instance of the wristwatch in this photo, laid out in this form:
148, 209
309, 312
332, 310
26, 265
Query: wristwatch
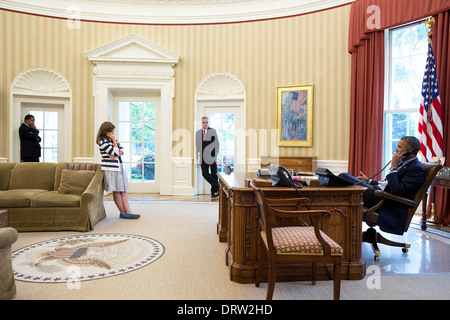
392, 169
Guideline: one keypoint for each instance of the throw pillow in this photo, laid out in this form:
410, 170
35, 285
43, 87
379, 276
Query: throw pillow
75, 181
81, 166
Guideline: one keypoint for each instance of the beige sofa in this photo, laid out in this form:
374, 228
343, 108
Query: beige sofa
52, 197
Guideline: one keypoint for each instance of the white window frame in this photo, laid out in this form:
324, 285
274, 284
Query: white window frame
59, 147
139, 187
387, 131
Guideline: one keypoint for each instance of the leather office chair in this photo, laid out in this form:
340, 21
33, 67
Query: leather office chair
371, 216
294, 244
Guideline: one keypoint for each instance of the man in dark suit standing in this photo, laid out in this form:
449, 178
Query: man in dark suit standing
406, 176
30, 150
207, 144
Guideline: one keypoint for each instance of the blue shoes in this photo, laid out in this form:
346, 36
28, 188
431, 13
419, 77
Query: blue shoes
130, 216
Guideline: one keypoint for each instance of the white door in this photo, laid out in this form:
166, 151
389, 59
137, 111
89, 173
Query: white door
49, 121
227, 121
137, 131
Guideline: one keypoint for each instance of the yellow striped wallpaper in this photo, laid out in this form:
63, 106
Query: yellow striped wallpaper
308, 49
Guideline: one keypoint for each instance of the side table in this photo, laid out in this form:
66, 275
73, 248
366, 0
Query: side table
3, 218
440, 182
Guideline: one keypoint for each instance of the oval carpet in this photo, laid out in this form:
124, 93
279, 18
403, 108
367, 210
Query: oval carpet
84, 257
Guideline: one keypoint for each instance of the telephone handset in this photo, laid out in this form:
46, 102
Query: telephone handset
407, 153
285, 177
281, 177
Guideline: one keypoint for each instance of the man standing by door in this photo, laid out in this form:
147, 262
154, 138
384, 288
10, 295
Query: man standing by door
30, 150
207, 144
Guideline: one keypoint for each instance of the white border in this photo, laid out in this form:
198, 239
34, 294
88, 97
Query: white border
159, 12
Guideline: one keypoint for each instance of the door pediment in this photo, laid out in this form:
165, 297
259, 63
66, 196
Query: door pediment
133, 49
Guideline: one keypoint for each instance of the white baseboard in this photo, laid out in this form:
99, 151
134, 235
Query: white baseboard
182, 191
335, 166
253, 165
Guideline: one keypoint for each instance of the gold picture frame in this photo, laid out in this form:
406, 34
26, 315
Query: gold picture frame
295, 115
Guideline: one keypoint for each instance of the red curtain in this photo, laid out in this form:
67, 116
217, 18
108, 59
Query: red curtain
368, 19
441, 40
369, 16
366, 105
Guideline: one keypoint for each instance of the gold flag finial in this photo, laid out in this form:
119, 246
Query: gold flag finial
428, 22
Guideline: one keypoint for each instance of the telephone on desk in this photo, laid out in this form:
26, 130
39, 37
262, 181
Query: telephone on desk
281, 177
328, 179
263, 173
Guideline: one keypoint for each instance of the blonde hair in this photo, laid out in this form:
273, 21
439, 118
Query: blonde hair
103, 130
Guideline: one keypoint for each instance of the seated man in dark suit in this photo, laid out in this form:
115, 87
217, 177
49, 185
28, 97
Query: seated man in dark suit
406, 176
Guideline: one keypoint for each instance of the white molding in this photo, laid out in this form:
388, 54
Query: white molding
133, 49
169, 12
2, 159
335, 166
39, 85
182, 176
220, 89
41, 82
220, 85
253, 165
133, 63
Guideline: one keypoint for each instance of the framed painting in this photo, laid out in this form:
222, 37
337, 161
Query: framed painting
295, 115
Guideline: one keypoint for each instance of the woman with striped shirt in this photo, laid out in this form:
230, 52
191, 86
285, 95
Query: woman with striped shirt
114, 177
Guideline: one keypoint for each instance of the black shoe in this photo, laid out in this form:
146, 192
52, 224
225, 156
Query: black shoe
215, 194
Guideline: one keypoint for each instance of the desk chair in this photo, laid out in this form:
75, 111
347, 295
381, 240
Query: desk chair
294, 244
371, 216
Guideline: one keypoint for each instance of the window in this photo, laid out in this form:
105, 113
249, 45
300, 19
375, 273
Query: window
136, 128
223, 122
406, 51
47, 124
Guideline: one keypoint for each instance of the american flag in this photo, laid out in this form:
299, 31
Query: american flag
430, 122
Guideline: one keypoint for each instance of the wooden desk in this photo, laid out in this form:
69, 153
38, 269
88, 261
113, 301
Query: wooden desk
440, 182
238, 226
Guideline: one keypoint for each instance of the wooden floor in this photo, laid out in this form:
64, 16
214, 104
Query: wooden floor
158, 197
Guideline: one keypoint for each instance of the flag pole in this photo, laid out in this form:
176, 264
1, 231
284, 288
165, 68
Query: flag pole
428, 22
